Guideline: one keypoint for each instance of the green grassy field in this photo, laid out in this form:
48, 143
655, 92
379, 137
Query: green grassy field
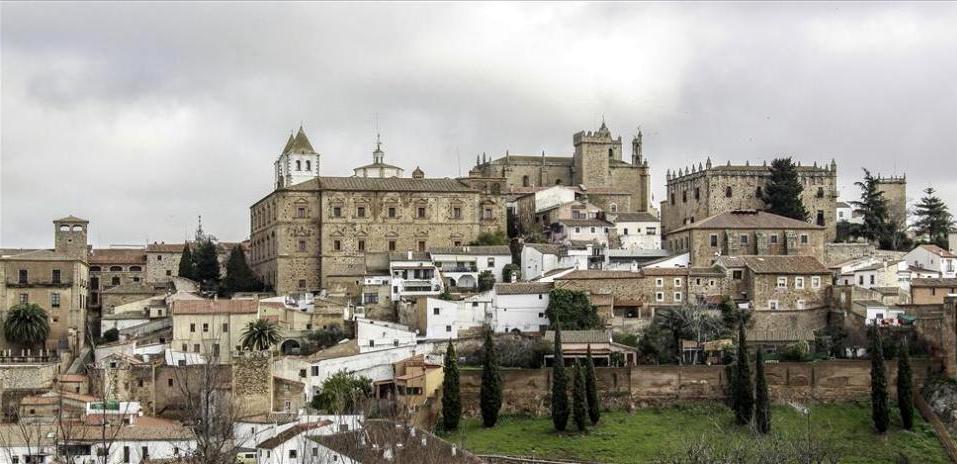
646, 434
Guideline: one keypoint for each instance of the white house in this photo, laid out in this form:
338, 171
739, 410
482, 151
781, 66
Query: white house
935, 258
541, 258
461, 266
846, 212
295, 445
520, 307
877, 313
413, 274
445, 319
375, 335
251, 431
578, 231
638, 231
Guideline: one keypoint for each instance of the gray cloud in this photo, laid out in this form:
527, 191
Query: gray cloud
142, 116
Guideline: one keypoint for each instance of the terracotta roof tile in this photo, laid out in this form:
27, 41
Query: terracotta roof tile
214, 307
522, 288
784, 265
118, 256
748, 219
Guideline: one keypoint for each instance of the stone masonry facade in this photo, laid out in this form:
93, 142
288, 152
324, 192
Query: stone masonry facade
696, 193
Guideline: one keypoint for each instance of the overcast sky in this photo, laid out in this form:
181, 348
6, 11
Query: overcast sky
140, 117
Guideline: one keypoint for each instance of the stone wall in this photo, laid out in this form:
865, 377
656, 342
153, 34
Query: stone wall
526, 391
253, 383
19, 380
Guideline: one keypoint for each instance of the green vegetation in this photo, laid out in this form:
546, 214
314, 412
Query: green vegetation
559, 384
782, 195
934, 221
878, 226
573, 308
579, 403
647, 434
451, 399
26, 325
490, 238
743, 398
239, 277
207, 264
342, 393
880, 411
509, 270
762, 400
591, 389
187, 268
490, 396
486, 280
260, 335
905, 388
324, 338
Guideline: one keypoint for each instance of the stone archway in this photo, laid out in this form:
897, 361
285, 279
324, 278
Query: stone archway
290, 347
467, 281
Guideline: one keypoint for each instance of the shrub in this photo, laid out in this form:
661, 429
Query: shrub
797, 351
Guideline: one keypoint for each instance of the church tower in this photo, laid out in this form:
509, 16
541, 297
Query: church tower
594, 152
70, 237
298, 161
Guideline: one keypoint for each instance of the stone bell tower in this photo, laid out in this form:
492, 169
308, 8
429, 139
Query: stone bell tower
594, 152
298, 161
70, 237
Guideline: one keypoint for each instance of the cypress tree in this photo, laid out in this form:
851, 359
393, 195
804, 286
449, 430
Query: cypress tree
207, 262
491, 393
579, 403
879, 409
933, 219
591, 389
187, 268
559, 395
451, 402
239, 277
744, 392
905, 388
782, 194
762, 407
877, 224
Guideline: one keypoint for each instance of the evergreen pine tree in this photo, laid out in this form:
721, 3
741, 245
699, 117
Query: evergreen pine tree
187, 268
239, 277
451, 402
879, 409
559, 382
490, 398
762, 407
579, 403
873, 206
207, 263
905, 387
782, 194
744, 392
933, 219
591, 389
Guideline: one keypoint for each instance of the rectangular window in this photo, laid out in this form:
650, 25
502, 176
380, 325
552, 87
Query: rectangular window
302, 283
205, 327
391, 211
54, 300
216, 349
336, 245
126, 454
300, 212
744, 239
773, 304
362, 245
456, 213
436, 311
420, 212
302, 245
22, 276
491, 262
225, 327
192, 328
487, 214
714, 240
314, 370
803, 239
800, 304
169, 382
24, 298
55, 278
361, 211
774, 238
737, 275
196, 347
677, 281
651, 231
782, 282
659, 296
448, 328
391, 245
872, 279
799, 283
677, 296
659, 282
337, 211
421, 245
815, 282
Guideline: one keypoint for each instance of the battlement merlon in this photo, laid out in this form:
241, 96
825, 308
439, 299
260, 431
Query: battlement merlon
892, 179
696, 171
594, 137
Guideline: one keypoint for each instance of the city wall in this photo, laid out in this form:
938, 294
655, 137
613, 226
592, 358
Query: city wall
526, 391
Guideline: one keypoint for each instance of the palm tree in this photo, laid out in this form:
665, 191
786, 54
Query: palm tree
259, 335
26, 324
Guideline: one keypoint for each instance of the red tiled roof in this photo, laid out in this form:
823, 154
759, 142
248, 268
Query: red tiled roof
118, 256
214, 307
938, 251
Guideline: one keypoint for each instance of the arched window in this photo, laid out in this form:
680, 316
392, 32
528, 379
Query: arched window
611, 153
558, 182
758, 192
94, 268
820, 192
298, 165
727, 192
136, 269
524, 181
116, 268
308, 165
